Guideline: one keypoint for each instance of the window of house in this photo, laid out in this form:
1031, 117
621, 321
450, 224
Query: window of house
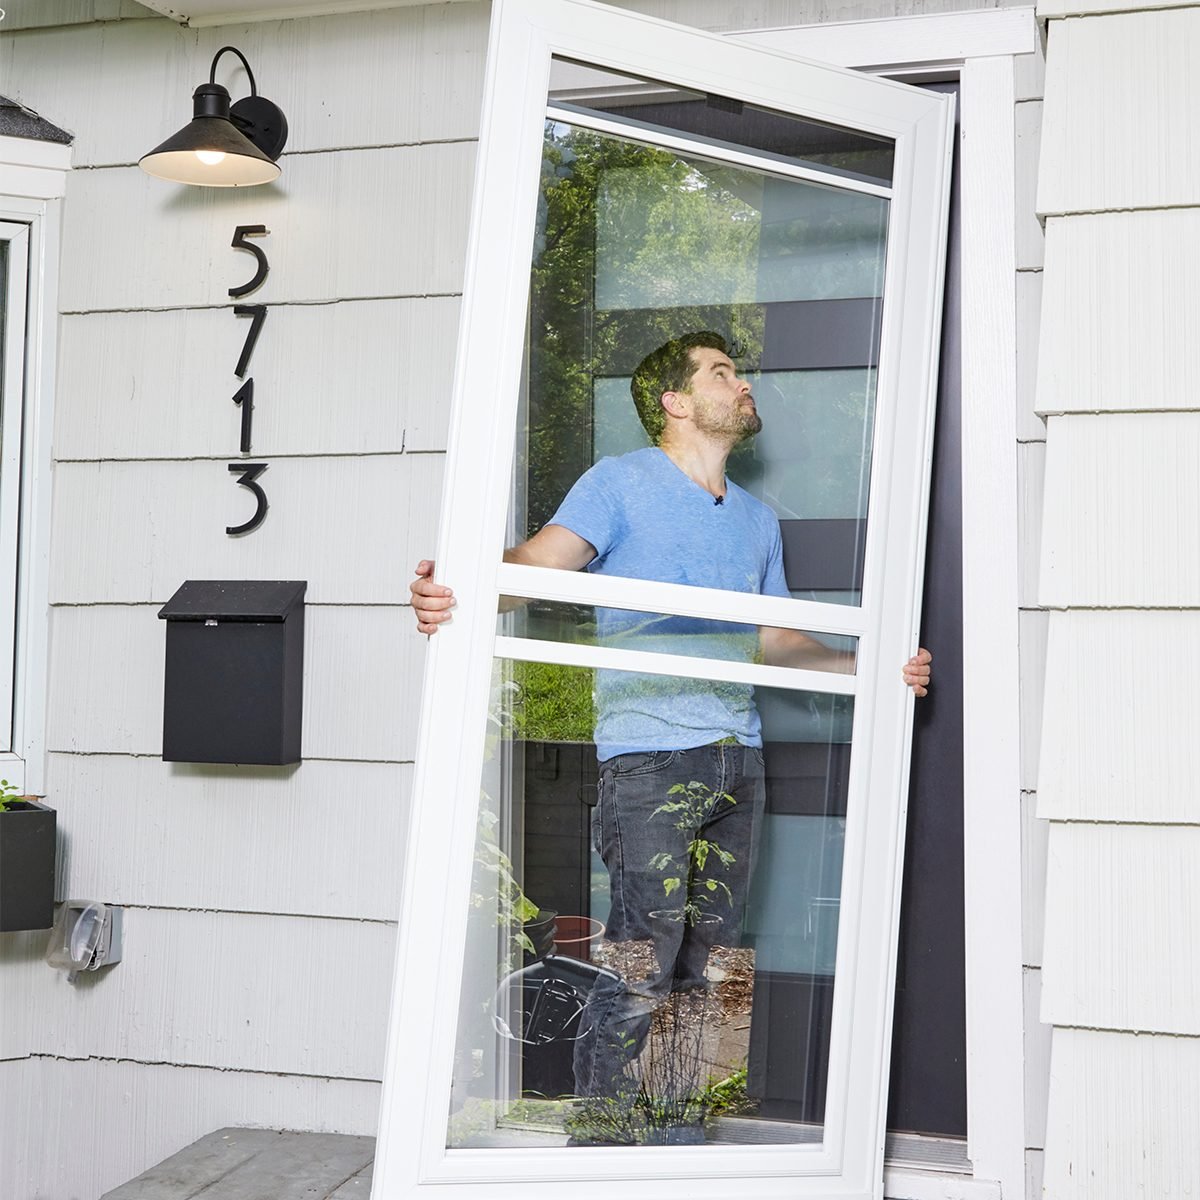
34, 158
638, 183
14, 277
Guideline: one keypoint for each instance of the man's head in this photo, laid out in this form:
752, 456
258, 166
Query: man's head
693, 375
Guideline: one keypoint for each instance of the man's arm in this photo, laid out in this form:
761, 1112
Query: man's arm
552, 546
791, 648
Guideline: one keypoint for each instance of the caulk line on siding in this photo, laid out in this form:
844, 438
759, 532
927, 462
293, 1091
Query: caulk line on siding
1125, 1032
1116, 608
189, 1066
252, 912
89, 312
450, 141
1065, 214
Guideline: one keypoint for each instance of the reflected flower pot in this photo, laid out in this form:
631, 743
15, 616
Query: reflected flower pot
575, 936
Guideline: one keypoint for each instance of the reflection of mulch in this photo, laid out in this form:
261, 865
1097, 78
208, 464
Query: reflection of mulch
732, 971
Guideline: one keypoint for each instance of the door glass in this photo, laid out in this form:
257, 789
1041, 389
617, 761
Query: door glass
772, 255
652, 941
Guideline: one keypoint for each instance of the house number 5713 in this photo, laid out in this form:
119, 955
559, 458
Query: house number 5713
248, 472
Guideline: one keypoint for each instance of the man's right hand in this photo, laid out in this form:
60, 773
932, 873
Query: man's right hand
431, 602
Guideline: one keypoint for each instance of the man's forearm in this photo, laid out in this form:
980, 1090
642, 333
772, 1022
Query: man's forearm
791, 648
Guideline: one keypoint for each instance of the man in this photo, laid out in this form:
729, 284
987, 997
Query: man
668, 513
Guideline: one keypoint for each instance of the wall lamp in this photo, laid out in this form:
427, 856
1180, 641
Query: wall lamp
223, 145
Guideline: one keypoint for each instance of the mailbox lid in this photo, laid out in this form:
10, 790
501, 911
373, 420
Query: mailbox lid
260, 600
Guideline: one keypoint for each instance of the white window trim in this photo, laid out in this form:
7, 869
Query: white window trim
14, 236
32, 184
979, 47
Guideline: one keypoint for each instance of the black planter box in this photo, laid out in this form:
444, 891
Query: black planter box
27, 859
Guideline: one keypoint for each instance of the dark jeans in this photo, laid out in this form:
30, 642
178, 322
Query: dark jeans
631, 836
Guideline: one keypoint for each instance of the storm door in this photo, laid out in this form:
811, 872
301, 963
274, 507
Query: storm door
649, 928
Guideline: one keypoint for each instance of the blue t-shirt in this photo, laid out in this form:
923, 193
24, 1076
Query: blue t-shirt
648, 520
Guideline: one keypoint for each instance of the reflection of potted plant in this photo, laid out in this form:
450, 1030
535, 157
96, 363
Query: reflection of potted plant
27, 854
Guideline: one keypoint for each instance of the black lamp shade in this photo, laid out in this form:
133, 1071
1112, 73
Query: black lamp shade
210, 150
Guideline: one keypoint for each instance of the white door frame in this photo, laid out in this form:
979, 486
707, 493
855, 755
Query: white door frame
979, 47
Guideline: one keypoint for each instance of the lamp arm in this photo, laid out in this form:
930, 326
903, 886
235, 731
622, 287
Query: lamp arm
212, 75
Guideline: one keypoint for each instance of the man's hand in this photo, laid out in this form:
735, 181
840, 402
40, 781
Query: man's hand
916, 672
431, 602
552, 546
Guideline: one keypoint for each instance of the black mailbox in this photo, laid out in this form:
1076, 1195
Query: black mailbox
235, 664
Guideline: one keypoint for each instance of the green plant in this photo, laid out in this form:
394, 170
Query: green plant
692, 809
728, 1095
513, 907
10, 794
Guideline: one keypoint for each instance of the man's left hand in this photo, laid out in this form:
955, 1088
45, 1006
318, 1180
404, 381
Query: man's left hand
916, 672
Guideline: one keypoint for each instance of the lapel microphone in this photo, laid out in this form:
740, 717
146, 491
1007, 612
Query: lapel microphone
718, 499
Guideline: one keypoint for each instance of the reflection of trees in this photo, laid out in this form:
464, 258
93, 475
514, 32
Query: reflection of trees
657, 216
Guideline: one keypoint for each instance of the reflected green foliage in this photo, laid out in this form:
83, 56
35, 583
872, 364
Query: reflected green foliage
554, 703
657, 216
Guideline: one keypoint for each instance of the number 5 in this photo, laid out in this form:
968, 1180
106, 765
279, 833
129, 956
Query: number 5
240, 234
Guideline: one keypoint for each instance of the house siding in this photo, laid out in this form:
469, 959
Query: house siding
1119, 186
261, 902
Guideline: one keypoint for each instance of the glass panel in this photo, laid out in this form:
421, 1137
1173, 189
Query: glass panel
720, 121
637, 246
652, 938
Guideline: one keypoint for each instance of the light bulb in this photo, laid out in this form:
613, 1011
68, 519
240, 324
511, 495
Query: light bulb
210, 158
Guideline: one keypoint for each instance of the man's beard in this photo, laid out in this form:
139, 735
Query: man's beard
744, 422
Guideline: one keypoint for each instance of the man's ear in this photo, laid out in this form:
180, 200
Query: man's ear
674, 404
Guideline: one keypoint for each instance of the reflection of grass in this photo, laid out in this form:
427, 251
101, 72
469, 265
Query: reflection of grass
555, 703
728, 1096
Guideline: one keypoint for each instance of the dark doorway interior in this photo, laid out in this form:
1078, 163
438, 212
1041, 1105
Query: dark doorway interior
928, 1091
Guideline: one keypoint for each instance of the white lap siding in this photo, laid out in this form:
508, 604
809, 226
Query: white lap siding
1120, 187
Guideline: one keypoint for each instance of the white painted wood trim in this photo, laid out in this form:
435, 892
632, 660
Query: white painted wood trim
908, 42
907, 1183
30, 674
991, 668
25, 152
